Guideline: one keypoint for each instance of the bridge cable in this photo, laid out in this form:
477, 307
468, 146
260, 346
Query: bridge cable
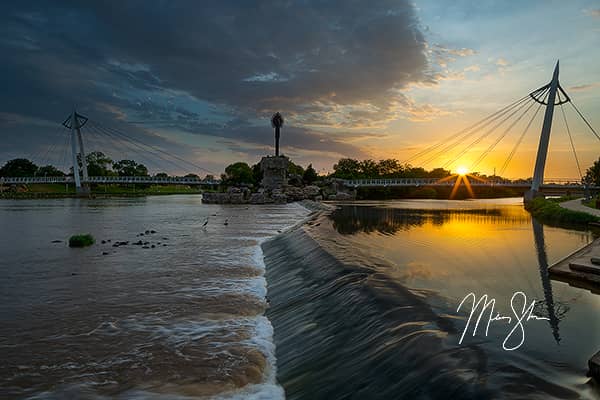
113, 138
36, 155
458, 141
585, 120
459, 133
516, 146
156, 149
571, 140
136, 152
499, 139
65, 154
480, 138
48, 156
124, 135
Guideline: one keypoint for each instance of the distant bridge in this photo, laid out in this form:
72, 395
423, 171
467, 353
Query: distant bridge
111, 180
415, 182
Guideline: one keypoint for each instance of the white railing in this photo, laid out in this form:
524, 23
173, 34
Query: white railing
549, 183
110, 179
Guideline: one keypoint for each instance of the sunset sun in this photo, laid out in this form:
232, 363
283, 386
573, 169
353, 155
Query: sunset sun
462, 170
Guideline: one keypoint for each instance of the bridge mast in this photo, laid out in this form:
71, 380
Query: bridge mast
74, 151
81, 148
540, 162
74, 122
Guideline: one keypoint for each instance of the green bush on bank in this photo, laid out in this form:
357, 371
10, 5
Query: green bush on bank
549, 210
81, 240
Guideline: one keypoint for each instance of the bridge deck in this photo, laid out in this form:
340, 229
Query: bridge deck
111, 179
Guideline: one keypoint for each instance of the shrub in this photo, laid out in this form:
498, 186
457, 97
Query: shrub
81, 240
550, 211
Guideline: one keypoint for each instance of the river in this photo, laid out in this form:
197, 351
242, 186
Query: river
363, 301
370, 294
181, 318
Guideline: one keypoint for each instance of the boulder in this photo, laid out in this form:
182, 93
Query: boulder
258, 198
594, 365
236, 198
294, 193
311, 191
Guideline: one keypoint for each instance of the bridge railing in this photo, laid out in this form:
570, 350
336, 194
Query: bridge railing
110, 179
550, 182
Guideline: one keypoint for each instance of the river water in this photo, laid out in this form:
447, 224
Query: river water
181, 318
370, 294
363, 302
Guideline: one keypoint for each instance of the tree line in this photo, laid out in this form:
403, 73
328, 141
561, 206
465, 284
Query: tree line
241, 173
98, 164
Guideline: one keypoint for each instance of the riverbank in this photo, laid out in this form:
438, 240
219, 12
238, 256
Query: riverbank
578, 206
53, 191
552, 212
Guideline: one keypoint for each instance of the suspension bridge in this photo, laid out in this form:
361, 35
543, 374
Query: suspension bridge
495, 127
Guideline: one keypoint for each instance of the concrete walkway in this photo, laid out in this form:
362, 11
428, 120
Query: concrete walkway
576, 205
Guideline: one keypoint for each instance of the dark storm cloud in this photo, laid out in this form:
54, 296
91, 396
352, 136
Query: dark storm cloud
245, 58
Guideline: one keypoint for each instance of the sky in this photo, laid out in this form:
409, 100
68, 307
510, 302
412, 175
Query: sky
378, 79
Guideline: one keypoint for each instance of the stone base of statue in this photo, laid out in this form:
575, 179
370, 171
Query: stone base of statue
274, 170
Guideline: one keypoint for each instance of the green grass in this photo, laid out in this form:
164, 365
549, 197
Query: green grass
144, 189
51, 190
81, 240
549, 211
591, 203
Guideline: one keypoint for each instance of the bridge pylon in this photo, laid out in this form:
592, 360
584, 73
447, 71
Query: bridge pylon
540, 162
75, 122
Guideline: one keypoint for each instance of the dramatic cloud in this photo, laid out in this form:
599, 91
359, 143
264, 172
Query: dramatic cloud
219, 68
584, 87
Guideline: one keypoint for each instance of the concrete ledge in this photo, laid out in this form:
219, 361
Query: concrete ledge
563, 271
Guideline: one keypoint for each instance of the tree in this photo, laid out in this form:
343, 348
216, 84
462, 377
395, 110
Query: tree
369, 169
439, 173
161, 175
592, 175
310, 175
295, 169
257, 173
98, 164
19, 167
49, 170
390, 168
347, 168
238, 173
194, 176
130, 168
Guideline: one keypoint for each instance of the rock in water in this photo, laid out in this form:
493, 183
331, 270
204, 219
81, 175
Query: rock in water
594, 365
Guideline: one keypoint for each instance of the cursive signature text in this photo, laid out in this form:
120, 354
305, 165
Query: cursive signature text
485, 306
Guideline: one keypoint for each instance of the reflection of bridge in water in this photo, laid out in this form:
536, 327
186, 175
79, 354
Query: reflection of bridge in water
356, 219
349, 220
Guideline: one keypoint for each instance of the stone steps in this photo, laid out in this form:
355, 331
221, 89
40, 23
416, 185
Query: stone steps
582, 266
595, 260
